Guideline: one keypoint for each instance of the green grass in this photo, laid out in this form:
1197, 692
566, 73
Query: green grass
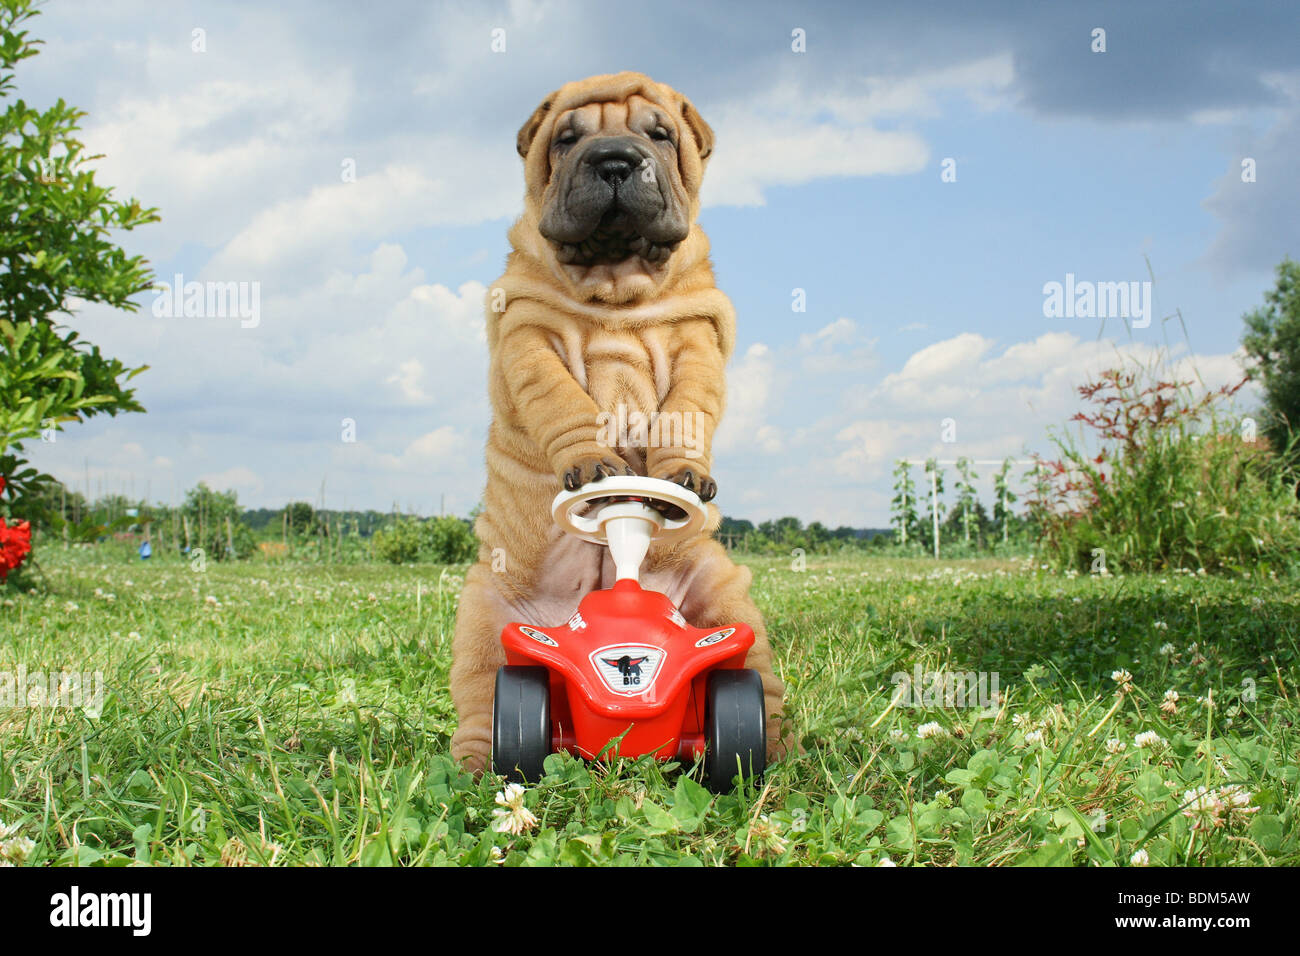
303, 718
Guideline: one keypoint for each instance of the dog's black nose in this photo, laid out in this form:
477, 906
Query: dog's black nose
614, 171
614, 161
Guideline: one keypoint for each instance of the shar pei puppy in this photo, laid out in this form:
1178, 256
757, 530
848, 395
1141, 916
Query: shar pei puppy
607, 314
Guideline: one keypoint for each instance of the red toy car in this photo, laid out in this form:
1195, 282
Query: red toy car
627, 675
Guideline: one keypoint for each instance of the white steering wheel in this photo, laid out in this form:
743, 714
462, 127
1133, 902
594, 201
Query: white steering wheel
629, 520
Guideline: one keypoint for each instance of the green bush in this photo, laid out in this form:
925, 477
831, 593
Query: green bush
449, 540
445, 540
398, 542
1173, 485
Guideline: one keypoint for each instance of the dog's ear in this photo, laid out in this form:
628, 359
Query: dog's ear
702, 131
526, 132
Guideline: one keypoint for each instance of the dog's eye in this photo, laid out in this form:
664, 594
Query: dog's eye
661, 134
566, 138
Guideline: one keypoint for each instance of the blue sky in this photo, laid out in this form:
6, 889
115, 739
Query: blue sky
924, 297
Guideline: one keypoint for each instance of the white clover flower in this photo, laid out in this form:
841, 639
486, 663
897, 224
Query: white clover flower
1115, 746
15, 850
886, 861
1160, 626
1121, 677
1236, 798
1170, 703
765, 834
1148, 738
1020, 720
1166, 649
1034, 737
514, 818
1140, 858
932, 729
1204, 808
899, 735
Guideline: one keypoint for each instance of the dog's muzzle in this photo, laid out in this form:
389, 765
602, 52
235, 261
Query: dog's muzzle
612, 202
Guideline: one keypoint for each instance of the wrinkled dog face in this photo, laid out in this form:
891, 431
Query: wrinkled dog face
615, 189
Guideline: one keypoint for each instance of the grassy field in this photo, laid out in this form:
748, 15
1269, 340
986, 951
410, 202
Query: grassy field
281, 714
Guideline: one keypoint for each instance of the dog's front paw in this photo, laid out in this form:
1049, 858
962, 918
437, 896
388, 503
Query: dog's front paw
692, 478
473, 755
577, 469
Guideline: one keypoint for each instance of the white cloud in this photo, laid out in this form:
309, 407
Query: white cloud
240, 478
328, 218
404, 358
793, 132
442, 450
749, 383
763, 152
407, 379
1001, 402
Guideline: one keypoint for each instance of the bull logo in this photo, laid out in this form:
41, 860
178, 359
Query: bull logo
629, 667
629, 670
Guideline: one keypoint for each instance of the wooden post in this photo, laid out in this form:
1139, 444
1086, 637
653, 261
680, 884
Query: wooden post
934, 507
904, 521
1005, 517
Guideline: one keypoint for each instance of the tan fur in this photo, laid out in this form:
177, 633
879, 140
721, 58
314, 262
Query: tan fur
566, 343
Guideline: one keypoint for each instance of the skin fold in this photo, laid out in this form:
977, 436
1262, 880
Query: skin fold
607, 305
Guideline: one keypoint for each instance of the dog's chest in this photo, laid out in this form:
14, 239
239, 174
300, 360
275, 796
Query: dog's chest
631, 369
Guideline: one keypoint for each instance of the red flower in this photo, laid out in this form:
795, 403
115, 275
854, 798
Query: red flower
15, 545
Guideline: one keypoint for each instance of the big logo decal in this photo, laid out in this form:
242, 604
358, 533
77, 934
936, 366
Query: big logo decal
628, 669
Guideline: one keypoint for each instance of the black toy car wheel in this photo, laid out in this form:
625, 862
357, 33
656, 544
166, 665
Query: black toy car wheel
735, 728
521, 722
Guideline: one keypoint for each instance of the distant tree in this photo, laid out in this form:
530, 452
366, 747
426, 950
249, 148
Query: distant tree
1272, 340
966, 496
1003, 498
973, 520
903, 512
302, 517
207, 512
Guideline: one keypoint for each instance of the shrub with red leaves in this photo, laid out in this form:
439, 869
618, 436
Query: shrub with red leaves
1160, 479
15, 542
